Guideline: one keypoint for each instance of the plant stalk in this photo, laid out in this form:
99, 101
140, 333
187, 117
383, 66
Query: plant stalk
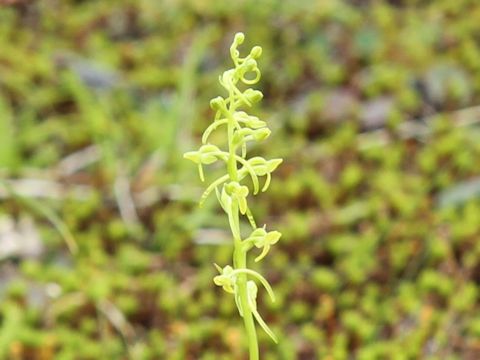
239, 253
240, 262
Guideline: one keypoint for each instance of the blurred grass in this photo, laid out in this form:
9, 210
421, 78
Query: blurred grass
374, 107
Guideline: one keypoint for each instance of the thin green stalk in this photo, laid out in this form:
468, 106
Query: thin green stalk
239, 255
240, 262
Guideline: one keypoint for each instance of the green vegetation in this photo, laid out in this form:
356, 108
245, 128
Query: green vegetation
104, 253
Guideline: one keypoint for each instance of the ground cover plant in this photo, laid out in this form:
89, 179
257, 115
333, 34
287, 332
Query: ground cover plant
374, 109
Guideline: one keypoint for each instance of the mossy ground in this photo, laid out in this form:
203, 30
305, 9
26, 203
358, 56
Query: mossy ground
373, 106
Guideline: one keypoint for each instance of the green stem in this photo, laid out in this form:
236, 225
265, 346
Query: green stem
240, 262
239, 254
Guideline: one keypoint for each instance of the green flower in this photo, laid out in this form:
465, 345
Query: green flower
252, 122
207, 154
246, 134
263, 239
225, 279
264, 167
238, 193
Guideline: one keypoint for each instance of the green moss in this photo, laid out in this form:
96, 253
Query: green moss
379, 227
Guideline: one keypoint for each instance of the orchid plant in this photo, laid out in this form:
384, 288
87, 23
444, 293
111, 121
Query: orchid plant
232, 189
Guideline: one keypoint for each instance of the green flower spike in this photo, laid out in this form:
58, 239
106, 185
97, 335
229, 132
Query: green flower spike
232, 190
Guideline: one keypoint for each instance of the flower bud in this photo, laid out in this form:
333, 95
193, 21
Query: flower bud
253, 96
239, 135
216, 103
239, 38
256, 52
254, 122
261, 134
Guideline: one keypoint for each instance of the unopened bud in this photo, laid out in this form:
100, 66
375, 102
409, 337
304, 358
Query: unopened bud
254, 122
261, 134
256, 52
239, 37
253, 96
216, 103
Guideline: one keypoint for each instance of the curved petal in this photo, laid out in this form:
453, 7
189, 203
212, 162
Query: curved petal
266, 247
252, 302
255, 274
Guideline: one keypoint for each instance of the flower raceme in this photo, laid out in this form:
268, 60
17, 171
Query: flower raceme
232, 189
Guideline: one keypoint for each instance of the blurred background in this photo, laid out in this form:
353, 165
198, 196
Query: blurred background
374, 106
